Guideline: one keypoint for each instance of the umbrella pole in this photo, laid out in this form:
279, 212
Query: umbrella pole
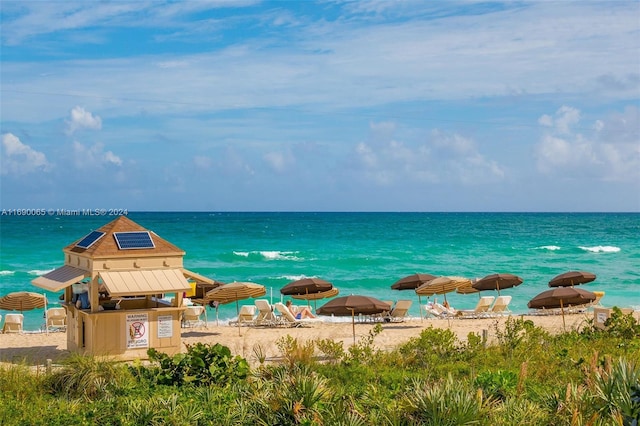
308, 301
353, 325
420, 306
238, 310
46, 315
564, 325
217, 322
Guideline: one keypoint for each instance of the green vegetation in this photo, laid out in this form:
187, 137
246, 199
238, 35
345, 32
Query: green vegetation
528, 377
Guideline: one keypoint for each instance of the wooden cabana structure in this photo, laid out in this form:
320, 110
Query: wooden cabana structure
114, 280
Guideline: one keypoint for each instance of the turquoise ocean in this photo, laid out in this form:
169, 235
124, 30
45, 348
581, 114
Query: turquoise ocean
360, 253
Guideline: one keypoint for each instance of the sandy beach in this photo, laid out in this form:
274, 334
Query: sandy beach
35, 348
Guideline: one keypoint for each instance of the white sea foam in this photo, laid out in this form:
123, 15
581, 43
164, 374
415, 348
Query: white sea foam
551, 248
601, 249
39, 271
4, 273
279, 255
241, 253
293, 277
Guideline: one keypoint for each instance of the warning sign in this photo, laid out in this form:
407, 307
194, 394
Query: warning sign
165, 326
137, 331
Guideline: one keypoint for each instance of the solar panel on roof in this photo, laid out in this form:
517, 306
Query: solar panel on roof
133, 240
90, 239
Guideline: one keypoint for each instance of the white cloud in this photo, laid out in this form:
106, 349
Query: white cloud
88, 158
82, 119
279, 161
19, 158
443, 157
609, 152
202, 162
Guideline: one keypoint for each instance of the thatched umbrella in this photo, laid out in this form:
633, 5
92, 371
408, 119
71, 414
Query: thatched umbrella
317, 296
233, 292
24, 301
442, 285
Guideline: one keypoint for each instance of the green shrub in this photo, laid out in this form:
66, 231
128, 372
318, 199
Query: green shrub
203, 365
294, 352
431, 347
499, 385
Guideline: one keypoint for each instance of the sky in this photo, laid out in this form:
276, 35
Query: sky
320, 106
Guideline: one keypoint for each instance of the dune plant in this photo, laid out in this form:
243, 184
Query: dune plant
333, 351
202, 364
612, 388
294, 351
364, 350
498, 384
90, 377
448, 402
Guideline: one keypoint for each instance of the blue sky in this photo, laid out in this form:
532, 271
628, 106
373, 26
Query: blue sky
321, 106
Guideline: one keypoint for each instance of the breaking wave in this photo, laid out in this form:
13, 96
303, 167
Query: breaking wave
601, 249
269, 254
550, 248
39, 271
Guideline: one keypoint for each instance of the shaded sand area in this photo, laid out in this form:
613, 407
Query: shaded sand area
35, 348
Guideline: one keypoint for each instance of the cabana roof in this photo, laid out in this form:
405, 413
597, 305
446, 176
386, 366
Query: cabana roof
107, 242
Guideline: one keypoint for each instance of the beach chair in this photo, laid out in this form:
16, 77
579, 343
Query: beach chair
286, 318
247, 315
596, 302
13, 323
265, 313
437, 310
192, 316
501, 306
56, 319
399, 311
480, 310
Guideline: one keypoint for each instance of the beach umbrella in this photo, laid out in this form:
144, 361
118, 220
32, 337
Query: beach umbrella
411, 282
353, 305
467, 288
22, 301
561, 297
317, 296
571, 278
442, 285
305, 287
234, 292
497, 282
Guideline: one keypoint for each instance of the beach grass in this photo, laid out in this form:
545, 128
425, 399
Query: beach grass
526, 376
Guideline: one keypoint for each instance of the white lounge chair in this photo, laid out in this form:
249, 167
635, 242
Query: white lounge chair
286, 318
13, 323
481, 309
56, 319
437, 310
399, 311
265, 313
192, 316
501, 306
247, 315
